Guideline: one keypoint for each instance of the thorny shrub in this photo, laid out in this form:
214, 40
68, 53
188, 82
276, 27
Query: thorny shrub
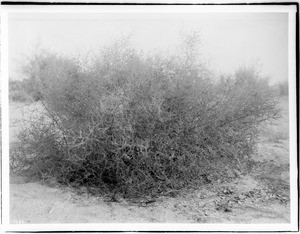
141, 125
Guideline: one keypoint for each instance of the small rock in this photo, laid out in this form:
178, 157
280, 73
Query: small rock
227, 209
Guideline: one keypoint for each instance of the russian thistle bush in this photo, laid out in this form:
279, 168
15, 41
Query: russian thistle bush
140, 125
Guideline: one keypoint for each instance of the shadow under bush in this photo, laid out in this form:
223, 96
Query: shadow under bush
140, 125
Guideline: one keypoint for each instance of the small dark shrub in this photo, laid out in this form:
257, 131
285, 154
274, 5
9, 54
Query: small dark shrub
141, 125
15, 85
17, 92
19, 96
283, 88
22, 91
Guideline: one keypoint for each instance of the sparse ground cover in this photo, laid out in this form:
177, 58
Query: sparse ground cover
259, 196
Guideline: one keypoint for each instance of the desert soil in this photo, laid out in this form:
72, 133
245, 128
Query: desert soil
261, 196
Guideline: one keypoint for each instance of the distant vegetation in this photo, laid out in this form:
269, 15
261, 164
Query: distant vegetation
140, 125
17, 92
283, 88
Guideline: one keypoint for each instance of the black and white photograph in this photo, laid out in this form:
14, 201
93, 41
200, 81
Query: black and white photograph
136, 117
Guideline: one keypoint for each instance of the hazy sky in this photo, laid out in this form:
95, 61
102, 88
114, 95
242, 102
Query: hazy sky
229, 40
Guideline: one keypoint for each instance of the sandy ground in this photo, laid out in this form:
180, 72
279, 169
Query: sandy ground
241, 201
262, 196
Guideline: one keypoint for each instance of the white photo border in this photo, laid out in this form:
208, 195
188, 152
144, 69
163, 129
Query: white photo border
290, 9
